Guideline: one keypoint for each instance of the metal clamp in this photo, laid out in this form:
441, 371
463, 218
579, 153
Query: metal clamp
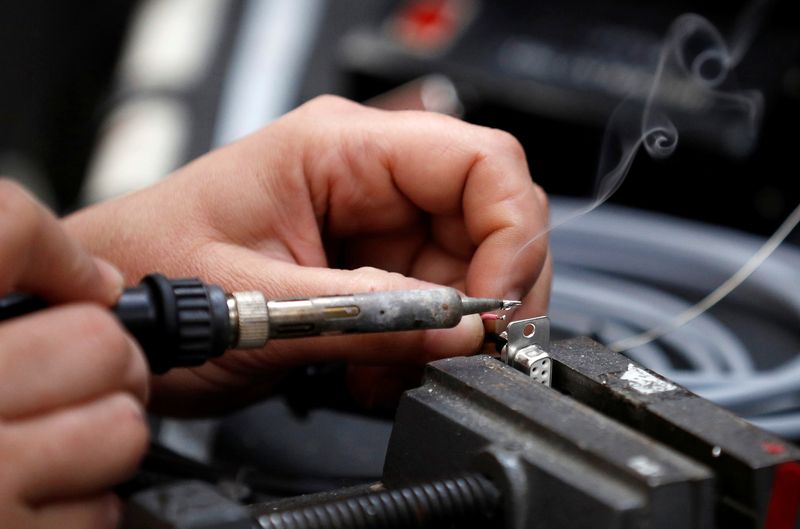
526, 348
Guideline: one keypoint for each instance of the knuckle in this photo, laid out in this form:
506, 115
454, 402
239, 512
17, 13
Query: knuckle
395, 280
367, 271
137, 372
331, 103
506, 143
11, 194
131, 427
366, 278
106, 335
99, 322
370, 279
20, 211
78, 266
370, 276
542, 199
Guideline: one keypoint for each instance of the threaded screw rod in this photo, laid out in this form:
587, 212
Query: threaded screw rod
417, 506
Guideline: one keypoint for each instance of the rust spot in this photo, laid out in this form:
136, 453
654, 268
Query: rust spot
445, 306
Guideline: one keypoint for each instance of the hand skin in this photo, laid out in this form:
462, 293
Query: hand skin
72, 383
334, 198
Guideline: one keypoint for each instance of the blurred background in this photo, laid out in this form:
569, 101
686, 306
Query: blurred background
104, 97
99, 98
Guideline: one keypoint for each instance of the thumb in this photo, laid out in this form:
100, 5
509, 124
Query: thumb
37, 256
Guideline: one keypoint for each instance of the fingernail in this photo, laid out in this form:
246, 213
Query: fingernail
112, 277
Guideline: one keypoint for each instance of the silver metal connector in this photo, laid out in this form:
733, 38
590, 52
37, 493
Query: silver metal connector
251, 319
526, 348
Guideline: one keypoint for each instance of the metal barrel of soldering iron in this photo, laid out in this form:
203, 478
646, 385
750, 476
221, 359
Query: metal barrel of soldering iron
354, 313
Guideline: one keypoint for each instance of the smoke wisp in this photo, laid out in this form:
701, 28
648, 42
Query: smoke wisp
692, 83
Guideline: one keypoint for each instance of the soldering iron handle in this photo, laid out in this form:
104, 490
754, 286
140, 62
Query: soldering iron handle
177, 322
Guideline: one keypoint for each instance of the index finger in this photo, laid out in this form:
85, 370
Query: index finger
483, 174
37, 256
447, 167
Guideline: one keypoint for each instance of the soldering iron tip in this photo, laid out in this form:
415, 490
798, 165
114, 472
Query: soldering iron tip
479, 305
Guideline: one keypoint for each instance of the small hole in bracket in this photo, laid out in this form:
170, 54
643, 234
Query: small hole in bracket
529, 330
533, 371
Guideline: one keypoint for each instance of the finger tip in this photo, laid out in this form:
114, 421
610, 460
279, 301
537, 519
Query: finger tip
112, 279
464, 339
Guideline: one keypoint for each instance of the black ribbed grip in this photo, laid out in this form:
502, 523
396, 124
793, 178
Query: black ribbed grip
178, 322
470, 500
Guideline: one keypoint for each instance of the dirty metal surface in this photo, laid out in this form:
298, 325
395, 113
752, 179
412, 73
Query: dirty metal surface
580, 468
744, 458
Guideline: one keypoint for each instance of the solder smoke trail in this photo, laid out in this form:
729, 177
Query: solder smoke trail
694, 70
691, 82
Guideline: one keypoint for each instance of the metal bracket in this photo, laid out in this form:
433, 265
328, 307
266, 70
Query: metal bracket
526, 350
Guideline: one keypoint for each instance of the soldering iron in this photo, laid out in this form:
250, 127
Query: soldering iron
184, 322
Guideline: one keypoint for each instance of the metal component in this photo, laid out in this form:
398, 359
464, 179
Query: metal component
508, 471
526, 350
400, 310
233, 318
744, 458
535, 363
252, 318
477, 305
576, 468
444, 502
612, 445
524, 333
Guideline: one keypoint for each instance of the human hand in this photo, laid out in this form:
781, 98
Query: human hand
303, 206
72, 383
